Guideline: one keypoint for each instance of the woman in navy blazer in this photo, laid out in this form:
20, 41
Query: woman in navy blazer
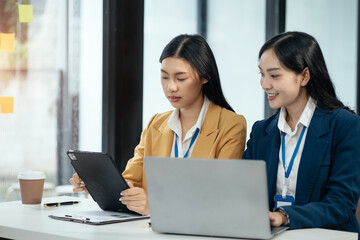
327, 178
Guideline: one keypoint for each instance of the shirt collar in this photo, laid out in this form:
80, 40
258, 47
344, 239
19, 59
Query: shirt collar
304, 119
175, 124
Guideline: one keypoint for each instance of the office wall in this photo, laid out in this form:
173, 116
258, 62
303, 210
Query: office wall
334, 24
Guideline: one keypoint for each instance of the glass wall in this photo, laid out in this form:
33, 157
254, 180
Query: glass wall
90, 75
236, 31
334, 24
51, 73
31, 73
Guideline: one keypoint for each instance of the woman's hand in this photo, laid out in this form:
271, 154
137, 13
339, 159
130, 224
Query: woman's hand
77, 182
277, 219
135, 199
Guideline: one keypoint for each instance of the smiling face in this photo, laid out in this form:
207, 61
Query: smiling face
284, 87
181, 83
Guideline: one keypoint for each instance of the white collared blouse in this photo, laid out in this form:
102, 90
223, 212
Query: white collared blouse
175, 125
291, 139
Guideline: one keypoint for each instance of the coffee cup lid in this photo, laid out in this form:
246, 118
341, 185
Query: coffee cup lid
31, 175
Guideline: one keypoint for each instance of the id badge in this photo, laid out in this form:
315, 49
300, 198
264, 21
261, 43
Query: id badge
280, 201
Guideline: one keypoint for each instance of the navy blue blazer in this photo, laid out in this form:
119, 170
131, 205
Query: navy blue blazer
328, 183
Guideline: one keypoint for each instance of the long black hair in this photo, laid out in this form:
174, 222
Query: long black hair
195, 50
298, 50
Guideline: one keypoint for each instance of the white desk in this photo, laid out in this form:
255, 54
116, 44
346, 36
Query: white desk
20, 222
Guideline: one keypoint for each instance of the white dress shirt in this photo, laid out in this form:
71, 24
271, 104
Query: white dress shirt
175, 125
291, 139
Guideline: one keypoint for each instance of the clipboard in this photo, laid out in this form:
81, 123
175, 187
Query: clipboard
98, 217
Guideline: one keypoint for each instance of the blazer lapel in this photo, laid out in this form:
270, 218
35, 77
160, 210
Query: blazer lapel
312, 157
208, 132
271, 156
162, 139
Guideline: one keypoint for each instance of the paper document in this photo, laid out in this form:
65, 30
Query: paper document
97, 217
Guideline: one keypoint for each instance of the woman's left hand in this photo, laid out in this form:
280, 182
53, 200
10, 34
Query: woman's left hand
277, 219
135, 199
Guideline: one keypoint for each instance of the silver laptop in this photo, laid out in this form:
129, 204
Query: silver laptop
211, 197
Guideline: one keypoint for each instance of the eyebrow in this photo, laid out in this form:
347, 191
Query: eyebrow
178, 73
270, 69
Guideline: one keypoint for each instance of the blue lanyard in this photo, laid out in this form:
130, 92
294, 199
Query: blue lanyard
287, 172
191, 143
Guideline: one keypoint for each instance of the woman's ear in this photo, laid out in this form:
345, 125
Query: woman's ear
204, 80
305, 75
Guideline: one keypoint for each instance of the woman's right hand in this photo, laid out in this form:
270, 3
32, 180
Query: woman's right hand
77, 182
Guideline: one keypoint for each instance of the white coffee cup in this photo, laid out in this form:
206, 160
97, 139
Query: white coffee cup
31, 186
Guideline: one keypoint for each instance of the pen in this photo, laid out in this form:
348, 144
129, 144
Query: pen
56, 204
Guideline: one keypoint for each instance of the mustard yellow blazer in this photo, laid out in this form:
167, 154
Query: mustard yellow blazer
222, 135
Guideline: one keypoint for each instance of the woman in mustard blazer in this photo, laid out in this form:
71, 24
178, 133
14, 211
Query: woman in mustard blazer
203, 125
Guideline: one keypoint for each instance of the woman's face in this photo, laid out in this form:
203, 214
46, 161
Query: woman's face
181, 83
284, 87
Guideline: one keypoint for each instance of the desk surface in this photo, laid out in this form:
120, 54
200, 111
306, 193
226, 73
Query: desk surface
23, 222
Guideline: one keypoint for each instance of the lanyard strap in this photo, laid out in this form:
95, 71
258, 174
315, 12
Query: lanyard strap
191, 143
288, 170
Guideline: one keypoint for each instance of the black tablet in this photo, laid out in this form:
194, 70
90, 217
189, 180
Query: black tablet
102, 178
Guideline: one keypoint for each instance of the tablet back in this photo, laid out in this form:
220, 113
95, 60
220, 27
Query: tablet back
101, 177
215, 197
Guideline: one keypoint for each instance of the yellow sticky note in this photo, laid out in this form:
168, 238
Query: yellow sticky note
7, 42
25, 13
6, 104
